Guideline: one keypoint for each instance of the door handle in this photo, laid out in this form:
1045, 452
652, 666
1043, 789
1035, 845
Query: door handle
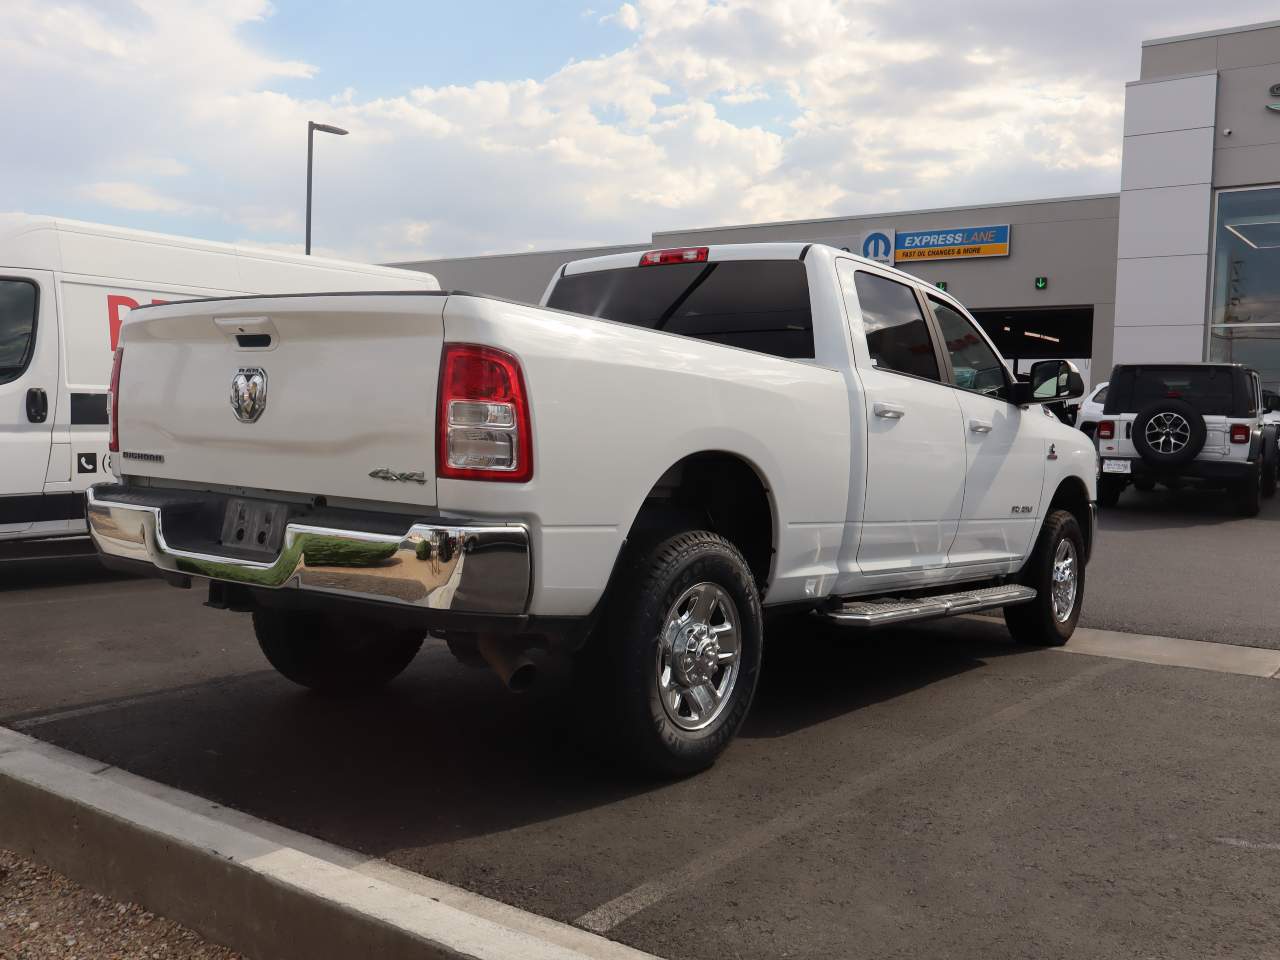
980, 426
890, 411
37, 405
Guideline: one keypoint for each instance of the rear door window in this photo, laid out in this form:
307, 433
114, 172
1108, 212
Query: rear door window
897, 335
760, 305
17, 327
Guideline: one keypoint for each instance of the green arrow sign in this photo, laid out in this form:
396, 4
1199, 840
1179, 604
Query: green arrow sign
1042, 283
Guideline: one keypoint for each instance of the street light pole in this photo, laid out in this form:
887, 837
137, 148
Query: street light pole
312, 127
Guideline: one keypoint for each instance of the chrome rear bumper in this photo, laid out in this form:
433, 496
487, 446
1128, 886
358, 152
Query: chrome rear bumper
462, 568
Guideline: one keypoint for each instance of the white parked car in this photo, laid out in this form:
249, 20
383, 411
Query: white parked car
634, 472
65, 288
1090, 411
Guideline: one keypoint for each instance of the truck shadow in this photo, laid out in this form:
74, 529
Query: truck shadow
79, 566
445, 754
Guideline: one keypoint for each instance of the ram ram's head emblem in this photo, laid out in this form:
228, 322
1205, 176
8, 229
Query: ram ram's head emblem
249, 393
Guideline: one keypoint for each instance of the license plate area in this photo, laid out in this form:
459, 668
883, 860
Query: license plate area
254, 526
1117, 466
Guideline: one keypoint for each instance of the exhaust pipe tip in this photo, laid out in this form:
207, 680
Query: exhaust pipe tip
523, 677
512, 665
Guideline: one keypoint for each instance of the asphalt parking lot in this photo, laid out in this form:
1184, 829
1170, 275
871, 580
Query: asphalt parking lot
933, 791
1185, 565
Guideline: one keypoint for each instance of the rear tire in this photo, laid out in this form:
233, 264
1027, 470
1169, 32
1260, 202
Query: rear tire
334, 655
1247, 496
1269, 478
653, 670
1056, 563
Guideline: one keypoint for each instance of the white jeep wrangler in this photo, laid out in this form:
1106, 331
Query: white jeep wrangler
1185, 424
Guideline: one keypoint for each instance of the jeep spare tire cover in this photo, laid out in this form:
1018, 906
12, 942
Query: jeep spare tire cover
1168, 433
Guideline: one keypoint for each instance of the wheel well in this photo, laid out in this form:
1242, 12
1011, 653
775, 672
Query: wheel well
1073, 497
719, 492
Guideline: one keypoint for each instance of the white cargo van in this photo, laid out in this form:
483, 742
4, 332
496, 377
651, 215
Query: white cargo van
64, 289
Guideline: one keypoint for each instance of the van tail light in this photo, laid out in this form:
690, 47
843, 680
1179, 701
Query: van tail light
113, 401
482, 428
678, 255
1107, 430
1240, 433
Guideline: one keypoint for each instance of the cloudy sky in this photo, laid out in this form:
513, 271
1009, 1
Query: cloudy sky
498, 126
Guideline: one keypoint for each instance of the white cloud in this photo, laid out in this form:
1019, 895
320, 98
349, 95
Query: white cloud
161, 109
137, 197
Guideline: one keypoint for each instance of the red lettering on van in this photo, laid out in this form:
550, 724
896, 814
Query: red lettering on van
114, 317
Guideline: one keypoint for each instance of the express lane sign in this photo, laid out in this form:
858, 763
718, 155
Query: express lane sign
951, 244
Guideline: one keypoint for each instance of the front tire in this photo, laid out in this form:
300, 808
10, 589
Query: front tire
1056, 571
334, 655
1109, 490
677, 659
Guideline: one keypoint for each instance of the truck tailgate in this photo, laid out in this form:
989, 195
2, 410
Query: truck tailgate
350, 394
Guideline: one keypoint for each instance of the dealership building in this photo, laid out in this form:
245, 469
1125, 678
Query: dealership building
1182, 264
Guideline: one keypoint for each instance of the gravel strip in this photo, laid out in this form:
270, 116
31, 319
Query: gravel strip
45, 915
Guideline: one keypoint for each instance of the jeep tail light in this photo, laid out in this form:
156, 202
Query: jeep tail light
1240, 433
678, 255
1107, 430
482, 430
113, 401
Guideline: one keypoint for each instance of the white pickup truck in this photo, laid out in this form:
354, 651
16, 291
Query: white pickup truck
635, 472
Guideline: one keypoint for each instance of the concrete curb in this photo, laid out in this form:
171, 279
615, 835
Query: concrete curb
267, 892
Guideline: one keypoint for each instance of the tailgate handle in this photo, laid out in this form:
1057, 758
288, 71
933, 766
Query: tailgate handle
249, 333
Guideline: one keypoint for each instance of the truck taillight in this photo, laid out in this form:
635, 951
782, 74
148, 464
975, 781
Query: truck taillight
482, 429
1107, 430
678, 255
1240, 433
113, 401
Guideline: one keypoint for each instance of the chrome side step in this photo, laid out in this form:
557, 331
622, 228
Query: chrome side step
882, 612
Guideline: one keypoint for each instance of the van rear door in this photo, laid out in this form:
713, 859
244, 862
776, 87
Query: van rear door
28, 393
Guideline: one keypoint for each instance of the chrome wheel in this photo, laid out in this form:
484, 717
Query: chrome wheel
1167, 432
1065, 581
698, 656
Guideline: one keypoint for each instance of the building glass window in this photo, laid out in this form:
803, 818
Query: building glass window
1244, 318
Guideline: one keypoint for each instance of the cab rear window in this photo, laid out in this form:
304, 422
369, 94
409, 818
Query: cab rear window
17, 327
760, 305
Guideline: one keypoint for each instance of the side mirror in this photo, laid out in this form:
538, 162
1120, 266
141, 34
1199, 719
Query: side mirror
1051, 381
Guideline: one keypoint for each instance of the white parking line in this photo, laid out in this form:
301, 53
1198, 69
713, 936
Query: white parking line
608, 915
1248, 844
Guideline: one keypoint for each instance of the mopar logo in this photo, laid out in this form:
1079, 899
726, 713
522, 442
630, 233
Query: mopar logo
877, 246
